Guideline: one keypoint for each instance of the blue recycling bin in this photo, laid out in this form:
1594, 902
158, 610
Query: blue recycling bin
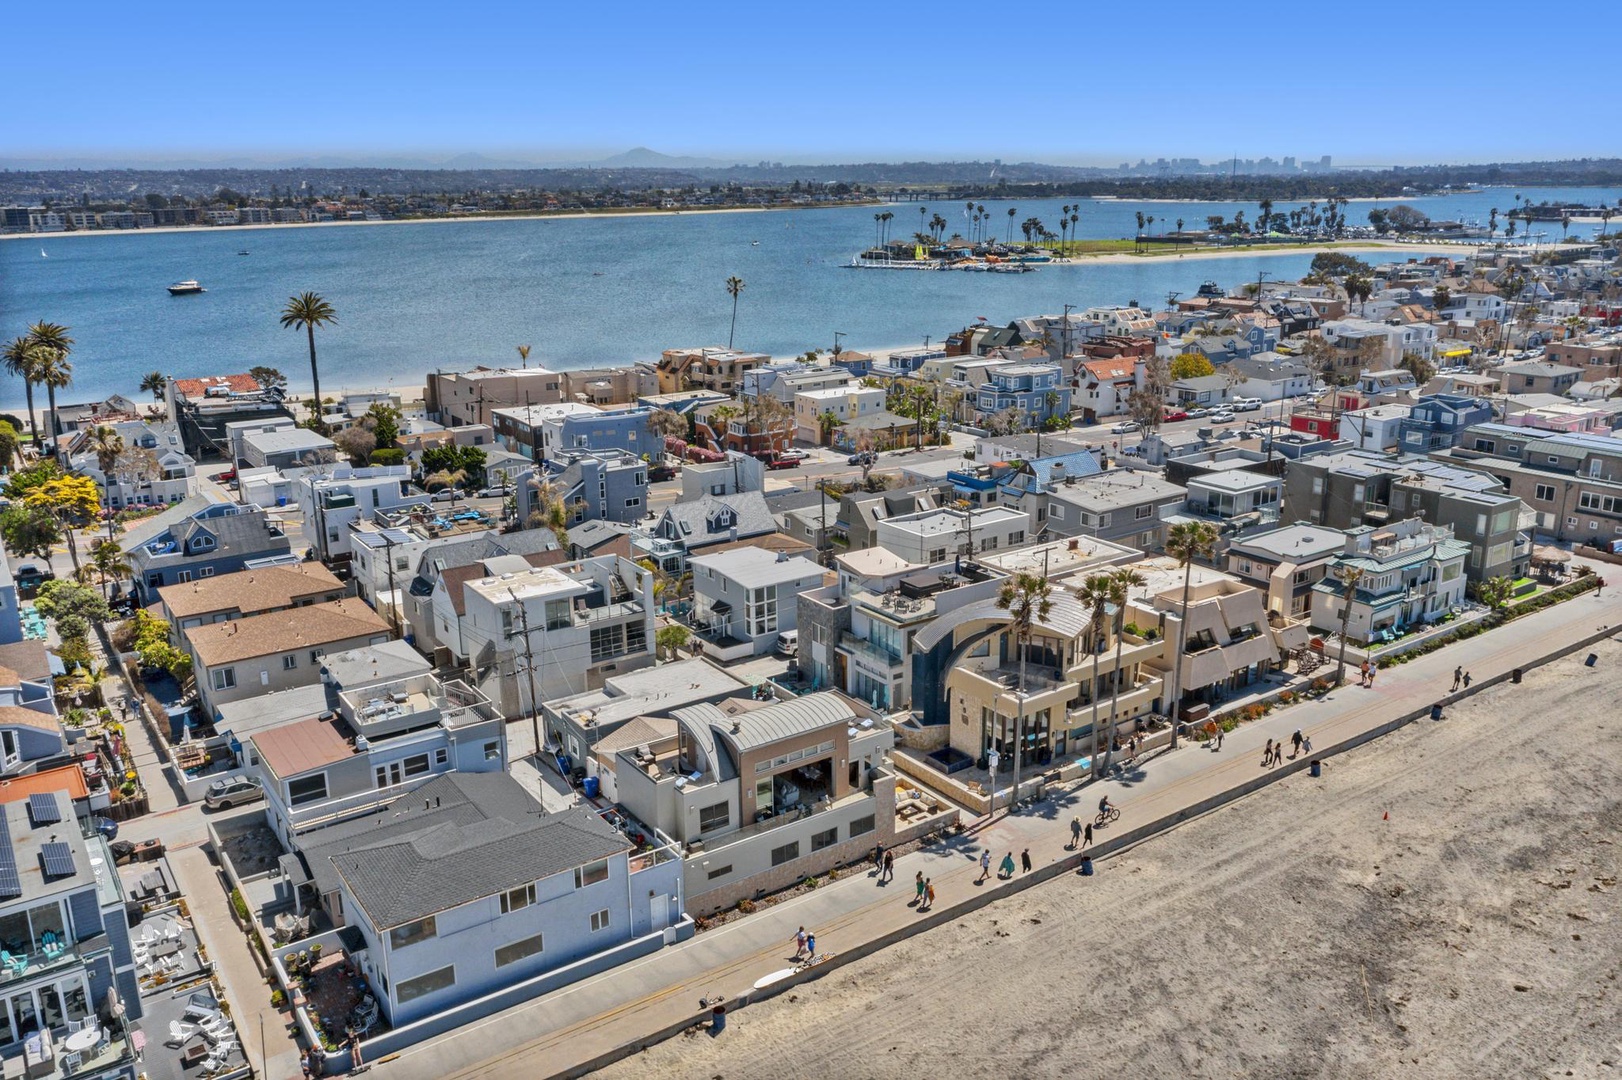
590, 786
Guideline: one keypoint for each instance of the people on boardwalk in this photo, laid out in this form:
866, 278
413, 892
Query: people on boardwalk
1087, 835
878, 859
810, 948
918, 883
1364, 679
889, 868
1295, 741
1005, 869
1075, 832
1025, 860
1458, 676
1467, 680
929, 894
1267, 755
1306, 744
985, 865
799, 943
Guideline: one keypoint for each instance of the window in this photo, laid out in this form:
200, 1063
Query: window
423, 985
307, 789
416, 764
492, 751
517, 899
591, 873
315, 657
1144, 511
557, 614
607, 641
1605, 504
786, 853
518, 950
825, 839
718, 816
223, 678
412, 932
861, 825
599, 920
183, 576
206, 571
441, 756
1544, 492
632, 502
289, 662
720, 872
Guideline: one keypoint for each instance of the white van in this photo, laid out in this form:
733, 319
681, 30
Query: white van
788, 643
1247, 404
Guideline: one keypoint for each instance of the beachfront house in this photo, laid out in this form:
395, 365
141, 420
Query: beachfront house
466, 887
1413, 573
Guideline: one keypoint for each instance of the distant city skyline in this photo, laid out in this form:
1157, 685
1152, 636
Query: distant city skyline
555, 85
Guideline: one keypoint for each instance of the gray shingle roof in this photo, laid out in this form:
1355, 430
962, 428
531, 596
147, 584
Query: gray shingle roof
485, 835
751, 517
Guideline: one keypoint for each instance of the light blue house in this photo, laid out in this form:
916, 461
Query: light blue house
199, 538
11, 616
29, 729
1438, 421
466, 887
1037, 391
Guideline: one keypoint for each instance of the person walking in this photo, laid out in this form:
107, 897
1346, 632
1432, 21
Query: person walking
799, 943
1267, 755
1599, 590
1467, 680
1295, 741
1458, 676
1005, 869
1373, 671
810, 948
878, 858
1220, 733
1306, 744
1087, 836
918, 883
1364, 681
1025, 860
985, 866
929, 893
889, 868
1075, 832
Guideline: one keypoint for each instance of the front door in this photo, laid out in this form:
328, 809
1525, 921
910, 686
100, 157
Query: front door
659, 911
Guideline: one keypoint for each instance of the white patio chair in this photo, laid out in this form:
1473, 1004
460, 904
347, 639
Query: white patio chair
74, 1026
69, 1063
179, 1032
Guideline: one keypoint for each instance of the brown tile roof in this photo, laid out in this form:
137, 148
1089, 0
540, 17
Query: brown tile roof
304, 745
1123, 368
28, 659
9, 677
196, 388
249, 591
284, 631
68, 778
643, 731
17, 716
454, 577
770, 542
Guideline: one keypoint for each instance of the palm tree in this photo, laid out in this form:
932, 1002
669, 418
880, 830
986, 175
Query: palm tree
107, 444
1075, 219
1121, 583
1094, 594
51, 344
1266, 207
1186, 542
1179, 225
307, 311
827, 422
523, 355
1012, 210
1028, 600
108, 563
22, 360
154, 383
734, 289
1349, 576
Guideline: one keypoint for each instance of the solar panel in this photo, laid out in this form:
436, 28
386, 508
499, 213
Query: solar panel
58, 859
10, 885
43, 809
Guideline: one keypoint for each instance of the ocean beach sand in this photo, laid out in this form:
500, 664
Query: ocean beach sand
1476, 933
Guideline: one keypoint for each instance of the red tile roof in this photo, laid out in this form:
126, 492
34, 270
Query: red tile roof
1122, 368
196, 388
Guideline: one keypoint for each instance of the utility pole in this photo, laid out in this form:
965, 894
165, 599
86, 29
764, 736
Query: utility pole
529, 663
394, 601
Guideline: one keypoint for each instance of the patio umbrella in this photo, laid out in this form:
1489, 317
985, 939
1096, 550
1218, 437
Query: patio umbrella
1548, 554
114, 1004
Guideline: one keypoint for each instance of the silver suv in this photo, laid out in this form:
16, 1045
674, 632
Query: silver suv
232, 791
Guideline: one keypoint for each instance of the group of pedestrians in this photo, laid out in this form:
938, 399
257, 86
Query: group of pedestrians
884, 864
1300, 743
805, 946
926, 892
1369, 671
1461, 677
1081, 836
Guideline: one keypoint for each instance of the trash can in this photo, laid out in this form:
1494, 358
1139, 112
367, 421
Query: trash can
1086, 866
590, 786
1592, 659
1436, 711
1317, 767
1515, 676
718, 1016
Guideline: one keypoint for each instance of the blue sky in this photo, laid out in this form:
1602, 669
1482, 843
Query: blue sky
1081, 82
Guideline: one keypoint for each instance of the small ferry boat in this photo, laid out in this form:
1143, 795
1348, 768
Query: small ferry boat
185, 288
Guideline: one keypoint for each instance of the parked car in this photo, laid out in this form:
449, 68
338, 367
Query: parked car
788, 642
660, 473
1174, 414
792, 455
782, 463
492, 492
1221, 417
29, 578
1198, 414
865, 457
1125, 427
1247, 404
449, 494
232, 791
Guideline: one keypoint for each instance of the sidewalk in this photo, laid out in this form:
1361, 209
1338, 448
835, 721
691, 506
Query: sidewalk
562, 1033
262, 1029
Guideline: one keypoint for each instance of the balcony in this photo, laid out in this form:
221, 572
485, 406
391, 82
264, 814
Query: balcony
854, 645
788, 817
98, 1060
1000, 682
21, 966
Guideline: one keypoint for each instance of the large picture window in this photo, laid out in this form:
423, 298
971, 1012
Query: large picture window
591, 873
307, 789
423, 985
518, 950
412, 932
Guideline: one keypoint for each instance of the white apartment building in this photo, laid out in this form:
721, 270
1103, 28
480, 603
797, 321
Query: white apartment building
845, 402
933, 536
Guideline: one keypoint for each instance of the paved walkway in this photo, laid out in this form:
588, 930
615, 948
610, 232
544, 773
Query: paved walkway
559, 1032
262, 1029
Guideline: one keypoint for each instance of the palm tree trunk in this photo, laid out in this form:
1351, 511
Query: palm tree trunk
1345, 621
1092, 692
1115, 693
1182, 639
73, 546
50, 396
1019, 731
315, 379
734, 330
33, 423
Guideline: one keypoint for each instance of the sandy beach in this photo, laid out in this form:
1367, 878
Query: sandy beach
1297, 933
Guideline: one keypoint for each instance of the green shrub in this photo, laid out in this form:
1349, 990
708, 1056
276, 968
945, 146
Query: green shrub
239, 905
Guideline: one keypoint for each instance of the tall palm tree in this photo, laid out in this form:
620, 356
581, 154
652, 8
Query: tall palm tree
1075, 219
107, 444
523, 355
1028, 600
734, 289
22, 360
108, 563
154, 383
1121, 584
1094, 594
51, 344
1012, 210
1348, 576
1185, 542
306, 311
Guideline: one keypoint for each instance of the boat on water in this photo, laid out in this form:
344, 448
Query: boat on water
185, 288
242, 253
42, 254
1210, 290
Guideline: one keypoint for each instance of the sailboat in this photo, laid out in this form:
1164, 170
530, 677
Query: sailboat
42, 254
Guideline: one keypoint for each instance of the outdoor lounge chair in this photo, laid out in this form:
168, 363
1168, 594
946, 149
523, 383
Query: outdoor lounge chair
179, 1033
14, 964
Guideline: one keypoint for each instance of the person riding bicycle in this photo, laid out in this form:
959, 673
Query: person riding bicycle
1105, 806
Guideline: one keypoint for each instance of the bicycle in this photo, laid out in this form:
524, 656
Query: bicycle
1106, 816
